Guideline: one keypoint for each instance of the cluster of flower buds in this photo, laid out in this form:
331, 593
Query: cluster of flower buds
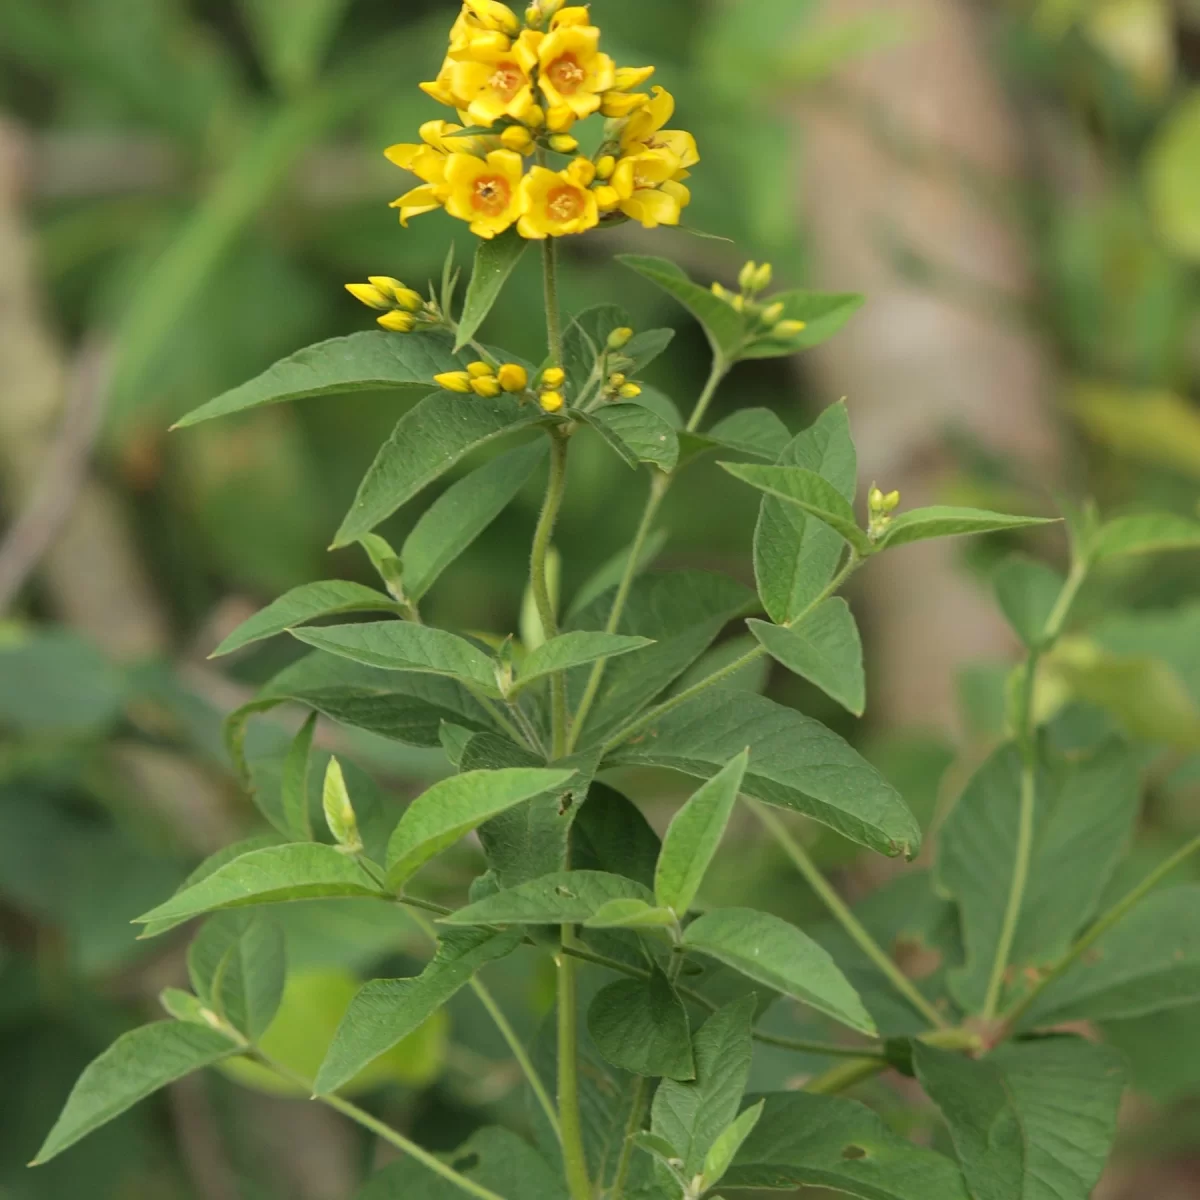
402, 309
483, 379
769, 318
880, 508
550, 395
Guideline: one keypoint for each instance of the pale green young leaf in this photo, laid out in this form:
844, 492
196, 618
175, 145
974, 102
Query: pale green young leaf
183, 1006
1149, 533
574, 650
631, 914
293, 793
275, 875
758, 432
825, 648
724, 1150
795, 555
823, 313
495, 261
771, 951
340, 817
305, 603
641, 1026
429, 439
726, 328
691, 1116
805, 1140
795, 763
457, 517
942, 521
363, 362
237, 964
565, 897
809, 492
386, 1011
694, 834
1027, 592
440, 816
404, 646
609, 574
135, 1066
637, 434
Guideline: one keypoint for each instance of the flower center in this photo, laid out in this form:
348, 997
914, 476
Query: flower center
506, 80
565, 203
566, 74
492, 195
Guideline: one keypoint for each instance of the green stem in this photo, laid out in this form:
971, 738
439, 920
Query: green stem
845, 1075
386, 1132
554, 331
574, 1156
720, 368
842, 913
637, 1115
497, 715
539, 580
1108, 921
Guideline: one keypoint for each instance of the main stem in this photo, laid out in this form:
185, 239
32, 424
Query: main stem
574, 1157
540, 582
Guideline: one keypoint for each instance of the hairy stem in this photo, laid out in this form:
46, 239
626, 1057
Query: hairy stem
540, 582
554, 331
637, 1115
720, 368
574, 1157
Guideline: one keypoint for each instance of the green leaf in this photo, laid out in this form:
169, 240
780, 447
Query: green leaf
573, 650
303, 871
340, 817
637, 434
694, 835
440, 816
692, 1116
429, 439
403, 646
809, 492
297, 821
610, 573
631, 914
795, 763
237, 964
1027, 592
495, 261
1170, 175
1150, 533
1148, 963
136, 1065
758, 432
805, 1140
462, 513
1085, 816
386, 1011
641, 1026
305, 603
724, 1150
770, 951
795, 555
363, 362
941, 521
824, 314
825, 648
984, 1123
611, 834
725, 327
564, 897
587, 336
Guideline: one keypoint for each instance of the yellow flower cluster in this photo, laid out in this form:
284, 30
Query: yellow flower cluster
527, 83
485, 380
402, 309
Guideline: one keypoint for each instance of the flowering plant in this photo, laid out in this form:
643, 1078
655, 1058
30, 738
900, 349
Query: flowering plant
638, 1088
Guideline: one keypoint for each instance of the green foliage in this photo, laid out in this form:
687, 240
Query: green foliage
495, 261
641, 1026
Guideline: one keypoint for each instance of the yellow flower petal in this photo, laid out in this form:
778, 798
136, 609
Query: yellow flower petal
553, 205
485, 192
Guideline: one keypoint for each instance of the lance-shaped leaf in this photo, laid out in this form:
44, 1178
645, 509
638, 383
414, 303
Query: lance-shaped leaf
462, 513
823, 314
825, 648
637, 434
694, 835
305, 603
440, 816
720, 1157
941, 521
564, 897
641, 1026
574, 650
771, 951
363, 362
386, 1011
758, 432
404, 646
810, 492
495, 261
296, 821
237, 964
302, 871
1147, 533
631, 914
795, 763
135, 1066
429, 439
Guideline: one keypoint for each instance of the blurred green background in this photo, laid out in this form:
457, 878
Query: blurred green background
185, 185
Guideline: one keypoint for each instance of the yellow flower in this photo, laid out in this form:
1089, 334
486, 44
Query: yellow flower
555, 203
644, 131
616, 105
471, 30
647, 188
485, 192
629, 78
513, 377
489, 85
417, 202
575, 15
573, 71
494, 15
454, 381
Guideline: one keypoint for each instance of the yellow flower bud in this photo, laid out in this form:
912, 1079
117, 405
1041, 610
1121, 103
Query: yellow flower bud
891, 502
560, 118
739, 303
617, 105
551, 402
518, 138
616, 380
630, 77
564, 143
454, 381
513, 377
605, 166
620, 338
607, 198
763, 277
478, 370
773, 313
487, 386
553, 377
629, 391
722, 293
747, 277
534, 16
495, 15
875, 499
789, 329
370, 295
576, 15
535, 118
398, 322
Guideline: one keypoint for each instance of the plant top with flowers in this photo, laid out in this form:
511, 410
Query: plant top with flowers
637, 1088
